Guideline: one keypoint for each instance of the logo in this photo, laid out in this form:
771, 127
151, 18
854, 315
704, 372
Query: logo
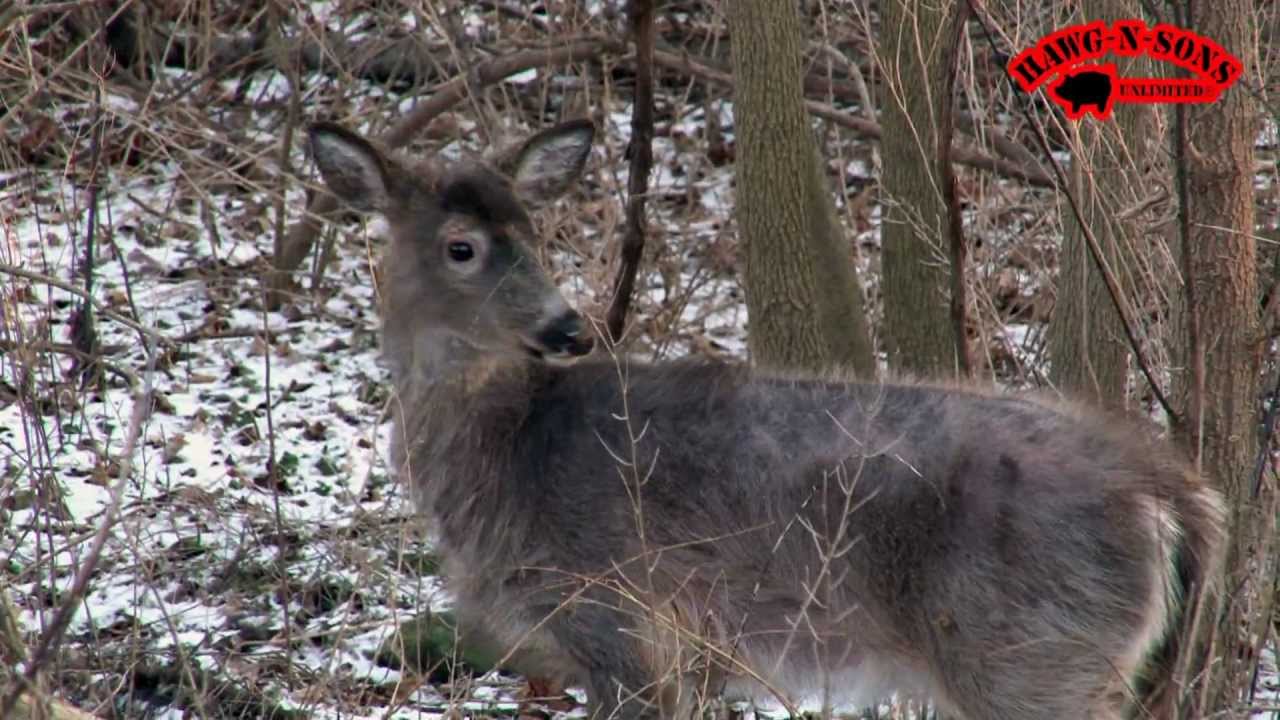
1066, 62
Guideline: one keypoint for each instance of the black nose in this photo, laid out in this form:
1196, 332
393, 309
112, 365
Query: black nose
566, 335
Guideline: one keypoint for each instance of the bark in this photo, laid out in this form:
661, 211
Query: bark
916, 40
1088, 352
1220, 262
803, 299
1111, 172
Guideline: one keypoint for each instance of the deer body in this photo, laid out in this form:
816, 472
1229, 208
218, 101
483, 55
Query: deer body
664, 533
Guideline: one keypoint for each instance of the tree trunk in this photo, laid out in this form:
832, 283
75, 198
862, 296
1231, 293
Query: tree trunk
1088, 349
915, 42
803, 299
1221, 394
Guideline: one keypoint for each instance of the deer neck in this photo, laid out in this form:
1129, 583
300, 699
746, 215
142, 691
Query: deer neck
437, 366
457, 410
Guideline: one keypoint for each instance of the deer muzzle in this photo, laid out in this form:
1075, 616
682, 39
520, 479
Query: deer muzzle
565, 335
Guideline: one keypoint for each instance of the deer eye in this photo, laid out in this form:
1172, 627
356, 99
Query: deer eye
460, 252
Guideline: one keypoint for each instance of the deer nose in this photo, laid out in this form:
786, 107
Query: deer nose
567, 334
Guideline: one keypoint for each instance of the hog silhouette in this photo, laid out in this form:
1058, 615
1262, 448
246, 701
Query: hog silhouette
1089, 87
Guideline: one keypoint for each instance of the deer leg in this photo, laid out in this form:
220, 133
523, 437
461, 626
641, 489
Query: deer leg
619, 683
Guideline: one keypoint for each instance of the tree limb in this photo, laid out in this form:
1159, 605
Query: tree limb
1127, 315
1033, 175
641, 153
145, 332
951, 195
53, 634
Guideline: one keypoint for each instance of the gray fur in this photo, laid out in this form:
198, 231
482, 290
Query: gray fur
661, 533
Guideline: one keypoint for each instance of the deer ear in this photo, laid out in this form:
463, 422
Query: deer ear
352, 167
544, 166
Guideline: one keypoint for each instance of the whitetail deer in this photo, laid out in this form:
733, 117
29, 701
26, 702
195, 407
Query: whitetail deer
661, 533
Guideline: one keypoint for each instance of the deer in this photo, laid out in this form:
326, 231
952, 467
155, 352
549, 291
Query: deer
666, 533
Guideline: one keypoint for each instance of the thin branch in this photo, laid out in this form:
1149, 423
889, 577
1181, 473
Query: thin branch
862, 126
52, 635
1195, 342
19, 108
641, 153
1127, 316
130, 378
275, 476
145, 332
84, 334
951, 195
35, 9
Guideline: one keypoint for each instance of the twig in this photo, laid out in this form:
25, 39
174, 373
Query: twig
42, 8
860, 125
145, 332
1195, 344
127, 277
84, 336
53, 634
275, 476
951, 195
18, 109
641, 152
1095, 251
128, 375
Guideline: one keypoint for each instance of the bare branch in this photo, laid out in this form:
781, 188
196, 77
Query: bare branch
641, 153
145, 332
867, 128
88, 564
951, 196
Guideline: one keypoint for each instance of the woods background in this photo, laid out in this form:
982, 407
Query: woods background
195, 518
